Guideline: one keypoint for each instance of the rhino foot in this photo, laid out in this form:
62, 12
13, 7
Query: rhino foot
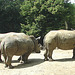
51, 60
1, 60
19, 58
46, 59
25, 62
73, 57
21, 61
11, 67
6, 66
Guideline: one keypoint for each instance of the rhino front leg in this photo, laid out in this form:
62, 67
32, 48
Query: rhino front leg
73, 53
25, 57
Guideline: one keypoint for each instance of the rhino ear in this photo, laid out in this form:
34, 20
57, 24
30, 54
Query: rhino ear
32, 37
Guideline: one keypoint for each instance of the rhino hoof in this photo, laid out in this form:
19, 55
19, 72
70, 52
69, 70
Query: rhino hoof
51, 60
21, 61
25, 62
73, 57
1, 60
6, 66
11, 67
46, 59
19, 58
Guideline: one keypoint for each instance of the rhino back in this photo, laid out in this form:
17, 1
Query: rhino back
63, 39
49, 37
24, 45
66, 39
9, 46
18, 45
2, 36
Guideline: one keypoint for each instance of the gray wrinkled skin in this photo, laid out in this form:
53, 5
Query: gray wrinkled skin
18, 45
2, 36
63, 39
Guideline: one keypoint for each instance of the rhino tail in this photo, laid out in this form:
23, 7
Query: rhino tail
2, 47
3, 51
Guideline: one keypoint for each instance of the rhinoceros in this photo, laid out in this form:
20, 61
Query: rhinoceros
18, 45
2, 36
62, 39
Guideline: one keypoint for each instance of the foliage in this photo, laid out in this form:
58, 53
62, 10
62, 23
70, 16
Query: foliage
41, 16
9, 16
36, 17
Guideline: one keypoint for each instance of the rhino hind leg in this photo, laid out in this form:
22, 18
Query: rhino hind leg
8, 62
0, 57
50, 54
5, 59
19, 58
46, 55
1, 60
73, 53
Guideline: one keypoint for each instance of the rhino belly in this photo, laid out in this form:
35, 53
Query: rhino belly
10, 51
20, 52
21, 49
66, 45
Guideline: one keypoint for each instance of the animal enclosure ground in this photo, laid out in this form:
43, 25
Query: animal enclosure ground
63, 65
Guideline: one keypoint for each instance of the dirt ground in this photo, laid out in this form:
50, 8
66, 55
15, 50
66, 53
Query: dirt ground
63, 65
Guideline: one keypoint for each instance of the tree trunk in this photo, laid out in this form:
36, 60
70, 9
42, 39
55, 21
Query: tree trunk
66, 25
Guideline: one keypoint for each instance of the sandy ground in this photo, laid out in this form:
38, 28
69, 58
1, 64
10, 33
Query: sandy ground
63, 65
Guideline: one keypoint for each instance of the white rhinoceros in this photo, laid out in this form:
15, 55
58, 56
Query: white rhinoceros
18, 45
2, 36
63, 39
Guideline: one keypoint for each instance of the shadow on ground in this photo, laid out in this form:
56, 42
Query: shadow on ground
31, 62
64, 59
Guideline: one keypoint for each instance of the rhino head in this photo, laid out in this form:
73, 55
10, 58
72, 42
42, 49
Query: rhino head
36, 45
